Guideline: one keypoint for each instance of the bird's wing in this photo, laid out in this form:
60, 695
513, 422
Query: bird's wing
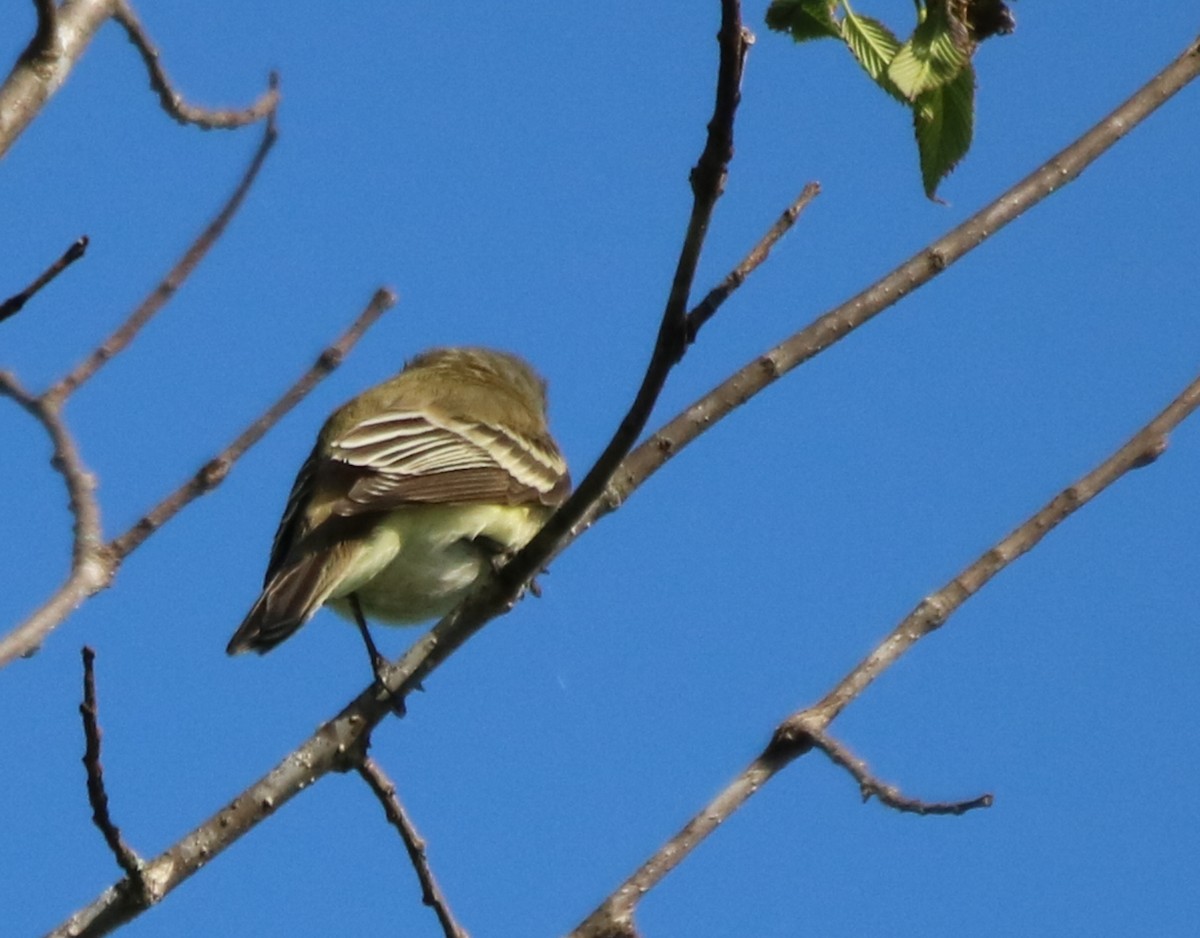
403, 457
294, 523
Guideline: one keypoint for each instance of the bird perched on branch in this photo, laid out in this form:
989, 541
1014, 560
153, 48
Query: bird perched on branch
415, 489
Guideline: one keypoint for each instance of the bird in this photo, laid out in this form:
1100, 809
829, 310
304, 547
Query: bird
415, 490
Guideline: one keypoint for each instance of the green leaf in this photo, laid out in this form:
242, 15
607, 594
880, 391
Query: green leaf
930, 59
944, 120
804, 19
874, 46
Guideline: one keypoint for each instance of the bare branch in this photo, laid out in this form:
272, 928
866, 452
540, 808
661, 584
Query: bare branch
161, 294
14, 304
127, 859
327, 750
213, 472
431, 894
91, 568
172, 101
708, 182
870, 786
1052, 176
63, 33
59, 42
798, 734
95, 563
707, 307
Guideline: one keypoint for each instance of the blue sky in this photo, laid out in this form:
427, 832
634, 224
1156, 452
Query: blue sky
520, 179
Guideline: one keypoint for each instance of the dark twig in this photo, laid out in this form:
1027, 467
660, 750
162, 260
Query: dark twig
870, 786
708, 181
431, 894
703, 311
129, 861
214, 471
798, 734
172, 101
13, 304
47, 28
161, 294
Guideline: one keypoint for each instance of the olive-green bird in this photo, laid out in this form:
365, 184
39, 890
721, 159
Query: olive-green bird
414, 489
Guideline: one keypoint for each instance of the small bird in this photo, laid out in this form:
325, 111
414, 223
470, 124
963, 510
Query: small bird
414, 491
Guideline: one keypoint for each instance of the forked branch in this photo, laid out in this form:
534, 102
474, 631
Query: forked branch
804, 730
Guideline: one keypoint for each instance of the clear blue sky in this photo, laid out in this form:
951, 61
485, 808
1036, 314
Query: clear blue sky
519, 175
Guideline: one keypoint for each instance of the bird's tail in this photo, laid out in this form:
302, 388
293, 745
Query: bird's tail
289, 599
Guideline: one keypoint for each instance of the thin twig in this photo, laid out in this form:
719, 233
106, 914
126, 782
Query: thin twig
797, 734
870, 786
13, 304
703, 311
127, 859
95, 563
837, 323
213, 472
165, 290
431, 894
172, 101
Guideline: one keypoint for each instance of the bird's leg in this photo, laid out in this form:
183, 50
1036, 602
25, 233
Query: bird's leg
378, 662
498, 555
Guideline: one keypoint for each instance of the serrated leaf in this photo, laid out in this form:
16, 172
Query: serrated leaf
873, 46
804, 19
944, 121
929, 59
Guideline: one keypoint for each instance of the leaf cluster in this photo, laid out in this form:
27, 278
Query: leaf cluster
931, 72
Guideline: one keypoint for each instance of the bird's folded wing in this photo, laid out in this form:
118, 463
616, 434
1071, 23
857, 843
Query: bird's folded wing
418, 456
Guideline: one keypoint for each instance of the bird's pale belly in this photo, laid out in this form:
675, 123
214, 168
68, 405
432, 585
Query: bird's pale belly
421, 561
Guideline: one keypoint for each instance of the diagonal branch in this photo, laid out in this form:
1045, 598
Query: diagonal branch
703, 311
95, 563
16, 302
384, 789
213, 472
57, 45
708, 182
326, 750
1055, 174
800, 732
167, 287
